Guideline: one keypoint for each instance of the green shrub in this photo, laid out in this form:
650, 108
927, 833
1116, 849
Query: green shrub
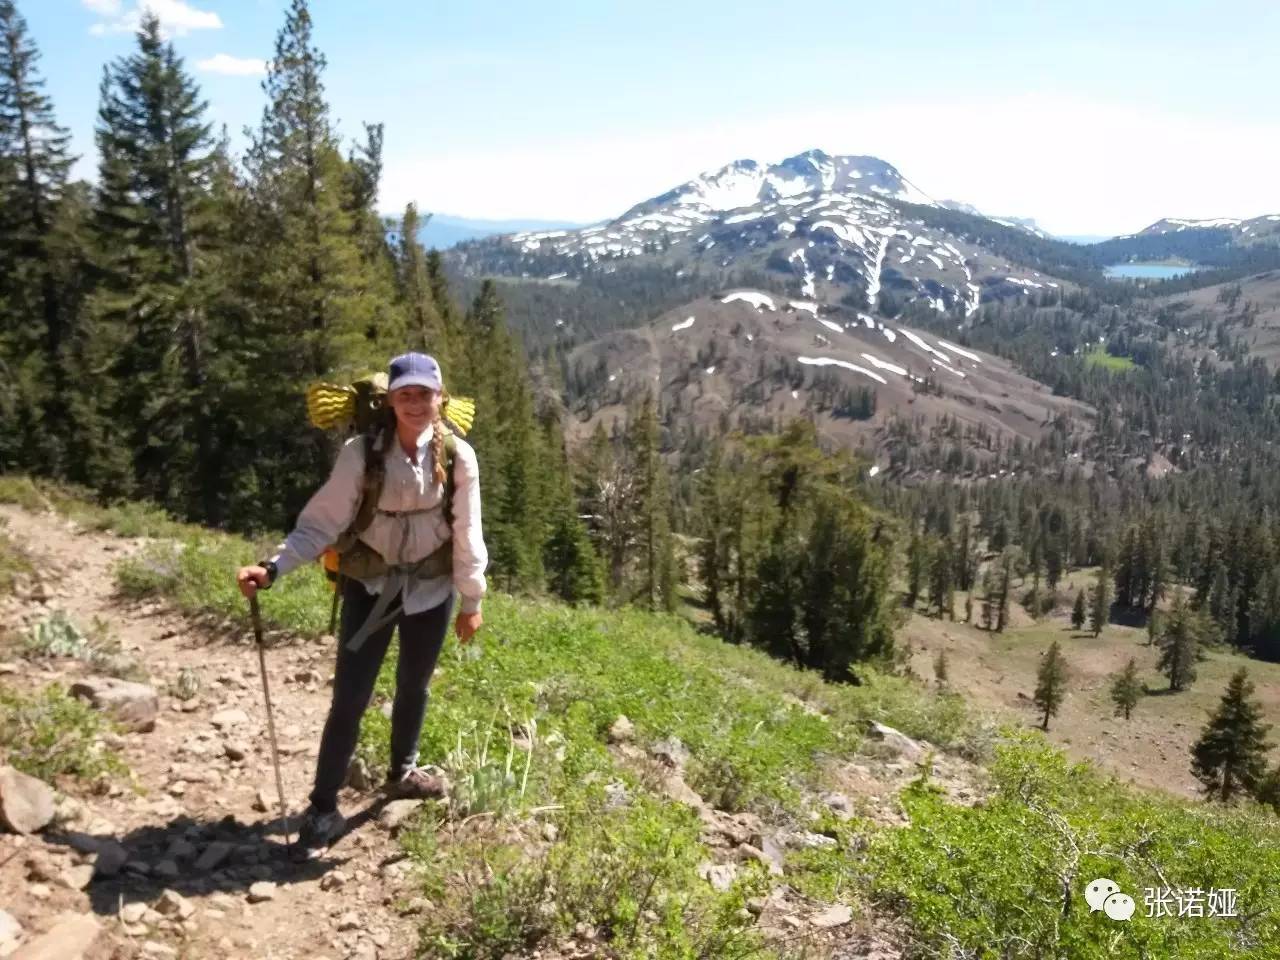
21, 491
56, 636
1007, 878
628, 872
197, 575
51, 733
14, 562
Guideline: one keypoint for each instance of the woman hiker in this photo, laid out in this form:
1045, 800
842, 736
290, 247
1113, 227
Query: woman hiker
408, 527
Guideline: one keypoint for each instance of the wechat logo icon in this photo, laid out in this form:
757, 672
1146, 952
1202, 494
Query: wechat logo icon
1103, 894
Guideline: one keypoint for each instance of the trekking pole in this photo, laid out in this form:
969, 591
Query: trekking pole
256, 614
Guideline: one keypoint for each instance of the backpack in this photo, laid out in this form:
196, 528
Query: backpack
362, 408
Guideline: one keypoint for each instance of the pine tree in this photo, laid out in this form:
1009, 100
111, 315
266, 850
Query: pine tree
1127, 572
314, 287
772, 617
1158, 581
844, 586
321, 308
941, 586
917, 568
1054, 561
1126, 689
1078, 611
36, 306
1230, 756
988, 600
606, 490
1264, 616
574, 571
652, 506
155, 225
490, 366
426, 330
1180, 642
964, 557
1002, 591
940, 668
1051, 683
1223, 602
1099, 602
1268, 790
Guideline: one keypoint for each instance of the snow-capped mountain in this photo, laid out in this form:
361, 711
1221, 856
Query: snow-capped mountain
747, 183
1022, 223
845, 230
1242, 229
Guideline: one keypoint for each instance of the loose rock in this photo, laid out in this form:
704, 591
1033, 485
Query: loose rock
10, 932
70, 937
622, 730
180, 849
166, 869
214, 855
719, 875
835, 916
896, 741
226, 719
671, 752
839, 804
133, 705
173, 904
673, 786
755, 853
77, 877
262, 891
333, 881
395, 813
26, 804
110, 859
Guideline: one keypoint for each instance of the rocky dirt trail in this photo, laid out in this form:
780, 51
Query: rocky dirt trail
189, 862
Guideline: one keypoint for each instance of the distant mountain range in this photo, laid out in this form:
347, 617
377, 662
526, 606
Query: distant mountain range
853, 232
848, 230
832, 284
443, 231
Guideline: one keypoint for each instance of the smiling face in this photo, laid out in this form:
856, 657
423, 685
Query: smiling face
415, 407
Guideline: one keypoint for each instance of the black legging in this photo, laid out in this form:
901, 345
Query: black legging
421, 637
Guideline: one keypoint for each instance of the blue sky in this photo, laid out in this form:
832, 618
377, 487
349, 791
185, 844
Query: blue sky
1092, 117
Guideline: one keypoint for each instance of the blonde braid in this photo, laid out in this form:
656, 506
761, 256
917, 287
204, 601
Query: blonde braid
437, 448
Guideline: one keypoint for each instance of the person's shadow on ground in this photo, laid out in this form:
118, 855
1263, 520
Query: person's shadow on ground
212, 856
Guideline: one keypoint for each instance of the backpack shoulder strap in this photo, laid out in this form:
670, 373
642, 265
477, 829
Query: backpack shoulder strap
375, 471
450, 456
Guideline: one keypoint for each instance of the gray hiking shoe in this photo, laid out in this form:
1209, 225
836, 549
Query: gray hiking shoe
418, 784
318, 831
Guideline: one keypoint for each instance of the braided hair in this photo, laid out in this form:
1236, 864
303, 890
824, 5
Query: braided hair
437, 444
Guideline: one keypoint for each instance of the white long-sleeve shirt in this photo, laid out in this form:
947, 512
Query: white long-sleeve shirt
408, 485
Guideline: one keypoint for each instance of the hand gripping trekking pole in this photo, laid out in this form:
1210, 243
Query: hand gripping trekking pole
271, 722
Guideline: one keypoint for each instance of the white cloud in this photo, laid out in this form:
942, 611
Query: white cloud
177, 17
231, 66
1077, 166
